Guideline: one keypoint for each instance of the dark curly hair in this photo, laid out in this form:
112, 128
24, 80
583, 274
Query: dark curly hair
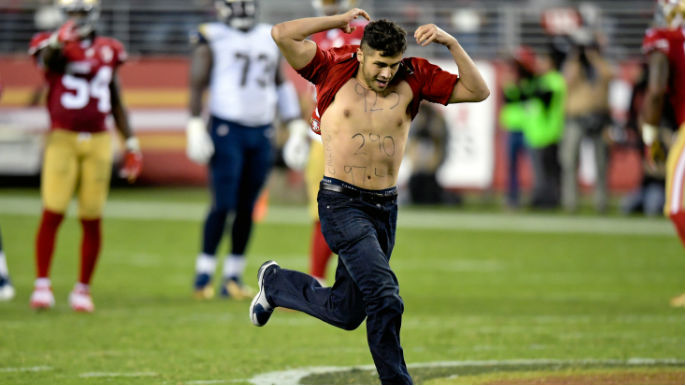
385, 36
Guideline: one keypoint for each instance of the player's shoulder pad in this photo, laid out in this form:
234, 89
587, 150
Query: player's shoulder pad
38, 41
112, 42
204, 33
116, 46
656, 39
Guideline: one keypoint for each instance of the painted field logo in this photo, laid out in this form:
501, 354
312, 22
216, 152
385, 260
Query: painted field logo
449, 372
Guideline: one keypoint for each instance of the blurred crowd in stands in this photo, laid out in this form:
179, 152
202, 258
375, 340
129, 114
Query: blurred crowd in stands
554, 104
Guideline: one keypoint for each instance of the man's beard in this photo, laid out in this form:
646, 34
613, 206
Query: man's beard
374, 83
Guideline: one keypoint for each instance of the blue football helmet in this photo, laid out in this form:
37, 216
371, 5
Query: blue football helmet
239, 14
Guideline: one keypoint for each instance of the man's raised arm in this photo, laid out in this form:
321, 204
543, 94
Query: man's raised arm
471, 87
291, 36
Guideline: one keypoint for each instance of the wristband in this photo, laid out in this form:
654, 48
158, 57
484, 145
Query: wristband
132, 144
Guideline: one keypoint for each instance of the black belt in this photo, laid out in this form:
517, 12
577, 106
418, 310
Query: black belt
352, 191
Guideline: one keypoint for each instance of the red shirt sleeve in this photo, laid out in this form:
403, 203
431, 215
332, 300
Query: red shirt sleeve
317, 69
436, 85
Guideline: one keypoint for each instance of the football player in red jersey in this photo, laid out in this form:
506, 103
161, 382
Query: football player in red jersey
6, 288
80, 69
296, 154
664, 47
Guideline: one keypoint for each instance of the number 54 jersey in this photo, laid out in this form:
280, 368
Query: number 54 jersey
79, 99
243, 78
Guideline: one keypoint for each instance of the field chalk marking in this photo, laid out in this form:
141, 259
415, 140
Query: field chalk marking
294, 376
112, 375
410, 219
32, 369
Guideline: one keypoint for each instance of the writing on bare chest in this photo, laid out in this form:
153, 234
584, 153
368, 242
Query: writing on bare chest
355, 99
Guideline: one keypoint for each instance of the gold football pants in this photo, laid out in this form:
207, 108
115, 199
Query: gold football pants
76, 161
674, 189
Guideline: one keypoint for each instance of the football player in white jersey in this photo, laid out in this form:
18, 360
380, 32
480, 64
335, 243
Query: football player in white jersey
6, 289
240, 63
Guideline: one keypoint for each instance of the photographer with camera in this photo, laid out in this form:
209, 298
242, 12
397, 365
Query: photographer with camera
588, 75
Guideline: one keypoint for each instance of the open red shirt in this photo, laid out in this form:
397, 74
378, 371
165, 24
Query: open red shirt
329, 70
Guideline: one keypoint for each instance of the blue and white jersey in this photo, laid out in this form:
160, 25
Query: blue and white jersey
242, 83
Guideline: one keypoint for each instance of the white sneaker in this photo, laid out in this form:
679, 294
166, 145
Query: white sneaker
80, 301
260, 308
42, 298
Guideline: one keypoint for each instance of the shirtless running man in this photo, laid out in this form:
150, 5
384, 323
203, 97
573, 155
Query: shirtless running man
367, 97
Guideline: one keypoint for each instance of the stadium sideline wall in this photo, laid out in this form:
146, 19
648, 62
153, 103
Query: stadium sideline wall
155, 89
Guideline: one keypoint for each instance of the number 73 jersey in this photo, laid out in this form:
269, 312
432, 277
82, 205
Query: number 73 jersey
243, 78
79, 99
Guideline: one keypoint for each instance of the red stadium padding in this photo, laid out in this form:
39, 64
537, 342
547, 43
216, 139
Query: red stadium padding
161, 82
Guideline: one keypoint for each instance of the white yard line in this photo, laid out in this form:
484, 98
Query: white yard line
294, 376
112, 375
31, 369
408, 218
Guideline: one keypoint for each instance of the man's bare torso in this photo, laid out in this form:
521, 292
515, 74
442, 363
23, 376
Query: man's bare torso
364, 133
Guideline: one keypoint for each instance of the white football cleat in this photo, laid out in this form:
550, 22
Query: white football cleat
42, 298
80, 301
6, 292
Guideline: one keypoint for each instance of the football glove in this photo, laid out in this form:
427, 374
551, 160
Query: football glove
133, 160
199, 146
649, 133
65, 34
296, 149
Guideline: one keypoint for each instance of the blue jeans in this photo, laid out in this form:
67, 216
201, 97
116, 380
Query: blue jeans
359, 225
239, 168
515, 148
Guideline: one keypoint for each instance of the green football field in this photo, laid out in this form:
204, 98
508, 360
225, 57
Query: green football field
485, 294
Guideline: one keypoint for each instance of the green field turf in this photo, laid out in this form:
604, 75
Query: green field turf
477, 287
